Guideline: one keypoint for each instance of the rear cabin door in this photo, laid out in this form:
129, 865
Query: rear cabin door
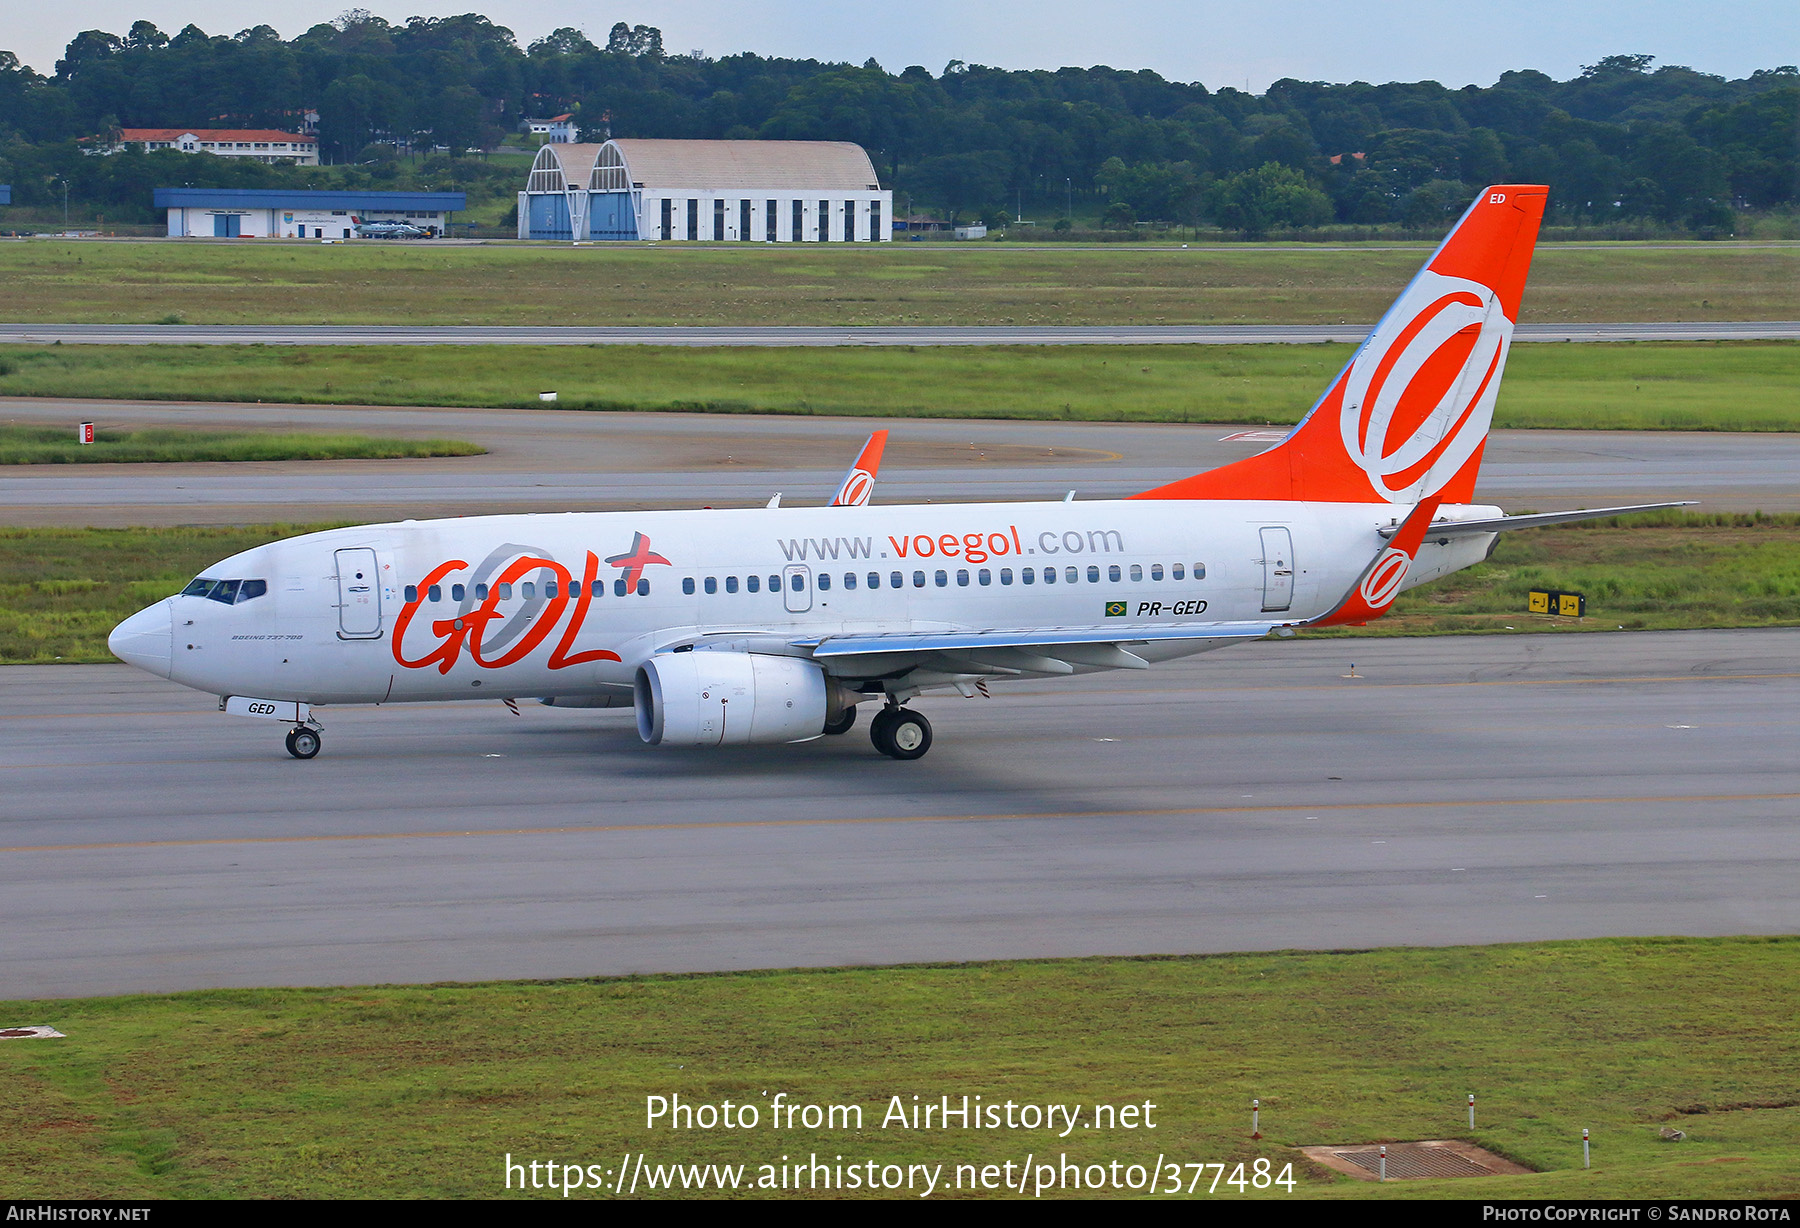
1278, 568
359, 595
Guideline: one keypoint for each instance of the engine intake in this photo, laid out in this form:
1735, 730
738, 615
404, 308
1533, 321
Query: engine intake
705, 698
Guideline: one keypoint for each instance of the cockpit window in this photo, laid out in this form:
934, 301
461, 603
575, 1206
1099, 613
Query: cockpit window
226, 592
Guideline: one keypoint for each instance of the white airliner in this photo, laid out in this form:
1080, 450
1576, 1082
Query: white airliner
772, 624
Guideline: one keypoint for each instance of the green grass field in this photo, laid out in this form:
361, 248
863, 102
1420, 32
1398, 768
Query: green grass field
902, 283
1721, 386
42, 445
63, 590
422, 1091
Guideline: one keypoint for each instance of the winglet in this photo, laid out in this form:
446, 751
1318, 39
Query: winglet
859, 482
1375, 590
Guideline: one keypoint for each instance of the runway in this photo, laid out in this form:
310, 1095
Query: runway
783, 335
1456, 791
558, 460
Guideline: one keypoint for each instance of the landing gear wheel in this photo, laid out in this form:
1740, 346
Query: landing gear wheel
303, 743
900, 733
842, 724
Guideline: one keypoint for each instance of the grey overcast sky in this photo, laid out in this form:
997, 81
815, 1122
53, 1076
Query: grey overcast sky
1243, 43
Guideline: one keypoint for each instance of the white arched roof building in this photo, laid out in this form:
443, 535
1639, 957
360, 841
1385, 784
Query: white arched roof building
706, 191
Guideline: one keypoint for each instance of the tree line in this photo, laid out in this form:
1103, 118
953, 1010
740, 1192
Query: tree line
1625, 139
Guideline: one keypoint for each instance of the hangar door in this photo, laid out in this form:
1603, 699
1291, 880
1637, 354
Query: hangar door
610, 216
548, 215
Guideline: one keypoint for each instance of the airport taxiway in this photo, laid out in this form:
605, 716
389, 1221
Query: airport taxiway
561, 460
1456, 790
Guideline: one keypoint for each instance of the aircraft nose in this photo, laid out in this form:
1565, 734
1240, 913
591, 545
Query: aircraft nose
146, 640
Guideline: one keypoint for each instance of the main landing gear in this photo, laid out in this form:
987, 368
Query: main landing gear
303, 742
900, 733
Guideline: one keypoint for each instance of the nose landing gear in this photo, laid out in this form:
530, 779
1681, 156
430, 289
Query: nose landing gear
900, 733
303, 742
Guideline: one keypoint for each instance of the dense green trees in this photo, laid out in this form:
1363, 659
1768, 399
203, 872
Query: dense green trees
1625, 139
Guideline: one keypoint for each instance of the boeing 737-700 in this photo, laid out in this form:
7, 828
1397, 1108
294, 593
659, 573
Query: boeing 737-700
774, 624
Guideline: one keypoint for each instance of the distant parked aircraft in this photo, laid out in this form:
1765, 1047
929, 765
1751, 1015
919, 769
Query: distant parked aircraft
390, 230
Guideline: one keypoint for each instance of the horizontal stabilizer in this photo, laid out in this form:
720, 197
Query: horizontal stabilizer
1501, 524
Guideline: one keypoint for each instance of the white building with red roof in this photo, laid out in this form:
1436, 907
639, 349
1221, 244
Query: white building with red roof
557, 130
261, 144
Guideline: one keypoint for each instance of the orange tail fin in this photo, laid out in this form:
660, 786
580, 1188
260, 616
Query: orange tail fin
1408, 417
859, 482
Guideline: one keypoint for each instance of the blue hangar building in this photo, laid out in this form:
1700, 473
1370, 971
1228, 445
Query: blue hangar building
706, 192
289, 213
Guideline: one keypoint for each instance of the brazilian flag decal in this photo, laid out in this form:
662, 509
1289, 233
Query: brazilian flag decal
1115, 609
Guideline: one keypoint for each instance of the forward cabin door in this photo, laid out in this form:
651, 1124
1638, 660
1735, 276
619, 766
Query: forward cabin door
359, 595
1278, 568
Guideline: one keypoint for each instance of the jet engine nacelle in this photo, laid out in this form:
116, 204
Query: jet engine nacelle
705, 698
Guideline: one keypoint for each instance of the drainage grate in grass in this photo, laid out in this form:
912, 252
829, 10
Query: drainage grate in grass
1430, 1158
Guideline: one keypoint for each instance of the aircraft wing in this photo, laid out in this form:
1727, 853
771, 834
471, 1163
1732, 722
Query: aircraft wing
1037, 650
1501, 524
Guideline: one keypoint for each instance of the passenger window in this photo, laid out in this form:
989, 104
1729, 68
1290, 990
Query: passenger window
824, 581
598, 588
985, 576
797, 582
687, 585
1176, 571
849, 580
1005, 575
457, 592
943, 578
894, 579
435, 592
1137, 573
412, 592
1112, 573
1049, 575
1199, 571
506, 592
962, 577
1073, 574
550, 589
619, 586
731, 584
527, 590
481, 592
753, 583
774, 584
1156, 571
918, 579
712, 585
643, 589
1093, 575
